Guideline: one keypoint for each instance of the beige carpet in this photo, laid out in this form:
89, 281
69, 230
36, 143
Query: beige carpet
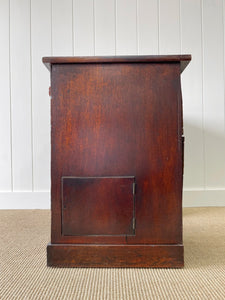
24, 275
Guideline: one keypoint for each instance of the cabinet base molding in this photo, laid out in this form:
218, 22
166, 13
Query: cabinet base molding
115, 256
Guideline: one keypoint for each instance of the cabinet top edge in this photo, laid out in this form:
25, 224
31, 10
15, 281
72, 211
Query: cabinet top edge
184, 59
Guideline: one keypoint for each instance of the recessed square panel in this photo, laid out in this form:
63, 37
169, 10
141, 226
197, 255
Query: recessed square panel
98, 206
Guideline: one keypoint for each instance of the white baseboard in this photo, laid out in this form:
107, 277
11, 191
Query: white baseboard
41, 200
24, 200
200, 197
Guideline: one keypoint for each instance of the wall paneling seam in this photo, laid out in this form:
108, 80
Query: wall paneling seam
31, 100
10, 96
115, 16
72, 27
51, 28
158, 1
137, 28
203, 113
180, 27
223, 14
94, 31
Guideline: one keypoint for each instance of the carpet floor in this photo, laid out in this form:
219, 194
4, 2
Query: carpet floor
24, 275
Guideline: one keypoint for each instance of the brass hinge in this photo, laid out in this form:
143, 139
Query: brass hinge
134, 187
134, 223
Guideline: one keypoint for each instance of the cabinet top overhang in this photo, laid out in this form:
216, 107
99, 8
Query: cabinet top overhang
183, 59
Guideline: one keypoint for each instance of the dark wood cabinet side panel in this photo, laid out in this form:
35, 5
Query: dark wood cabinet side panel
120, 120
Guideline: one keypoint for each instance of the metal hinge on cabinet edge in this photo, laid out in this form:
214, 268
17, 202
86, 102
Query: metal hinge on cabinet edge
134, 186
134, 219
134, 223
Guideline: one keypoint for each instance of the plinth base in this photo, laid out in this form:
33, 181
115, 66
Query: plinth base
144, 256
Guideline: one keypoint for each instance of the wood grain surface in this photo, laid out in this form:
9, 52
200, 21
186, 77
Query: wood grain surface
117, 119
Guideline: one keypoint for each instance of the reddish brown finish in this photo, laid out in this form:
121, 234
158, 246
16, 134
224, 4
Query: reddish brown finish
119, 118
182, 59
159, 256
98, 206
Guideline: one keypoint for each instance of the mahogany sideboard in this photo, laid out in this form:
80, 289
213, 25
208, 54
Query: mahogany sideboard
116, 161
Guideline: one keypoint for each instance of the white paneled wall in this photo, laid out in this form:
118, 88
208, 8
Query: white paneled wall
41, 37
30, 29
5, 102
20, 95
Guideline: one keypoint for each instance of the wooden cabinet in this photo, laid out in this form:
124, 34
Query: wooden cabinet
116, 161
